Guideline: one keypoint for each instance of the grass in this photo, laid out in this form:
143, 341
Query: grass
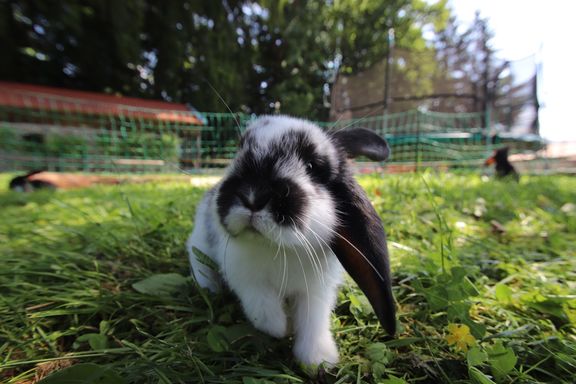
485, 279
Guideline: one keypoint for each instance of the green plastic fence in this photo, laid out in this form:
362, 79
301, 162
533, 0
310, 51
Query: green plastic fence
78, 140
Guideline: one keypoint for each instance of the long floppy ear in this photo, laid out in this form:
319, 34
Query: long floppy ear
362, 142
361, 248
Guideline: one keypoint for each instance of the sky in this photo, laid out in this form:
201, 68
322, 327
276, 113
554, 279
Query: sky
548, 29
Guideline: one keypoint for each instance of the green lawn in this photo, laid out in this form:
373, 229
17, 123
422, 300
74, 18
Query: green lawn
485, 279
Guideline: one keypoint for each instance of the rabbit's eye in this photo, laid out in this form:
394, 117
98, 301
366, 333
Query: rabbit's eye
318, 169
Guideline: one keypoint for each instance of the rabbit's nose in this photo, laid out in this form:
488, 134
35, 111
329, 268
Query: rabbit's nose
254, 200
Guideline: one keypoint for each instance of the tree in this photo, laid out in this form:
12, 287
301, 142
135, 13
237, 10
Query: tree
258, 56
84, 45
468, 67
363, 28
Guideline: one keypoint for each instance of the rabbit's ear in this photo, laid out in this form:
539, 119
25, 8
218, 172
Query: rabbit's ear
360, 245
362, 142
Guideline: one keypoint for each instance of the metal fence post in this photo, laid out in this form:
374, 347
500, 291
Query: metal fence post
488, 127
417, 152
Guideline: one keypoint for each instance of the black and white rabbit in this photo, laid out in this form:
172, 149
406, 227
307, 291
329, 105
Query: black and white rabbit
283, 221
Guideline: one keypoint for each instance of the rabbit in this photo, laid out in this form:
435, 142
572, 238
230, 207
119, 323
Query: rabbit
39, 180
504, 169
284, 222
24, 183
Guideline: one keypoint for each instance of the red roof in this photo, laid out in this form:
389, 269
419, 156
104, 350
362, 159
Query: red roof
66, 100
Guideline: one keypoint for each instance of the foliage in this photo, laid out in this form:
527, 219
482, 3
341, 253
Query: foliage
8, 138
84, 374
363, 46
163, 146
257, 56
58, 145
99, 277
467, 66
52, 144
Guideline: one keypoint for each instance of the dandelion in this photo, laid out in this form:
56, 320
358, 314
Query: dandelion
459, 336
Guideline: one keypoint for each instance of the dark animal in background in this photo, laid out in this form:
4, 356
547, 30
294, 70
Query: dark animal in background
504, 169
27, 184
42, 180
39, 179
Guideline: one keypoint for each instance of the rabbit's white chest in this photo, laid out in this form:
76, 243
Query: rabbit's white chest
285, 270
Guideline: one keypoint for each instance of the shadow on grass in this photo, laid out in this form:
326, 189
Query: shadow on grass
69, 260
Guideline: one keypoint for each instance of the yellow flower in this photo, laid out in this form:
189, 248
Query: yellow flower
459, 335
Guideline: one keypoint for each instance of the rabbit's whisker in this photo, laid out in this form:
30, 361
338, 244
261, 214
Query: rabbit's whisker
238, 128
353, 246
284, 283
225, 269
284, 271
305, 284
333, 131
311, 251
318, 238
306, 249
279, 242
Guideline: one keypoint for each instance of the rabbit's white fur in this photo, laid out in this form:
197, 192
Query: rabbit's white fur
286, 216
276, 269
263, 275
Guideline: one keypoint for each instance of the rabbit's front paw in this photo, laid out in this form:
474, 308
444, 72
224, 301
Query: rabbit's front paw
317, 350
272, 325
267, 315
